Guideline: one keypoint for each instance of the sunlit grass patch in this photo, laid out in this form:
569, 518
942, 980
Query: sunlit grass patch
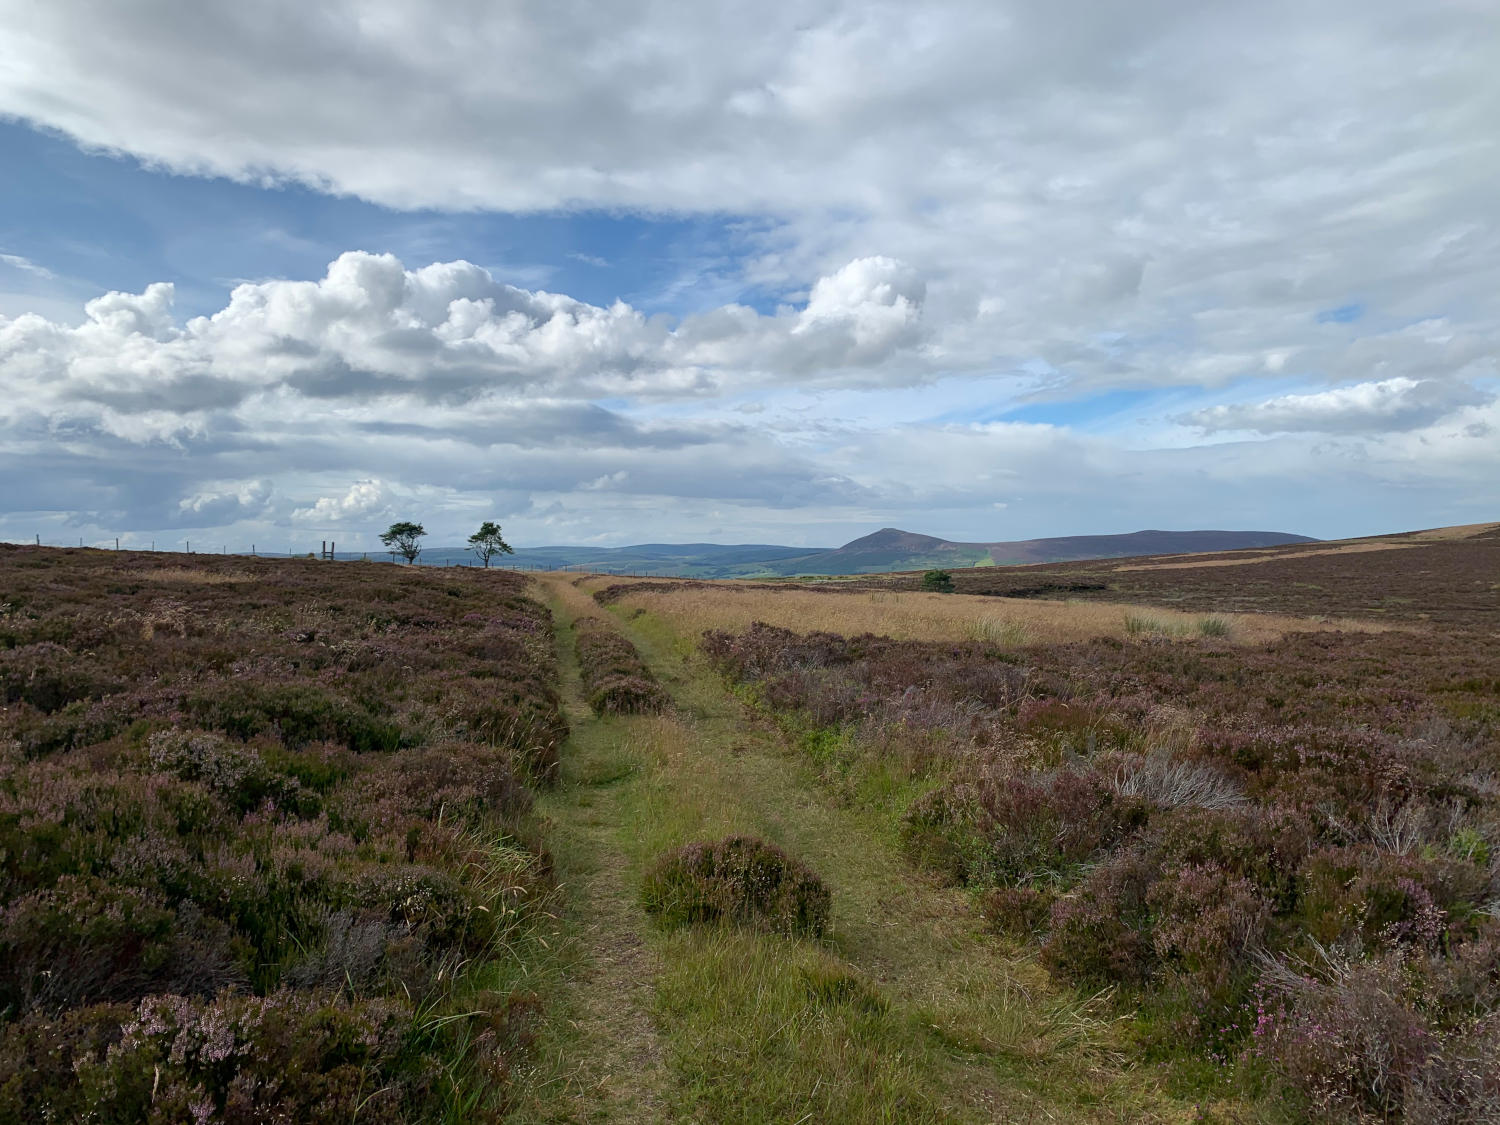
918, 616
192, 576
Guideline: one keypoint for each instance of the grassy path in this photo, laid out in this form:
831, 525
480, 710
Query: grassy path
907, 1012
600, 1057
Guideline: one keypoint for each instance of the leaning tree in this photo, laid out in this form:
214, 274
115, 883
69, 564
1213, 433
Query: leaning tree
487, 542
405, 539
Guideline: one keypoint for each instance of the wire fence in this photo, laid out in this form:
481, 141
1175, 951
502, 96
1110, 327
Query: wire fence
448, 558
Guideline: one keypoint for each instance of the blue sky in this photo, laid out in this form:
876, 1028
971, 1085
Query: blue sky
651, 272
103, 222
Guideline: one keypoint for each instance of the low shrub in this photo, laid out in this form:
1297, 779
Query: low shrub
1017, 826
232, 770
233, 1058
739, 880
48, 677
937, 581
1206, 924
1369, 899
1100, 931
298, 714
1019, 911
86, 940
1363, 1040
615, 678
627, 695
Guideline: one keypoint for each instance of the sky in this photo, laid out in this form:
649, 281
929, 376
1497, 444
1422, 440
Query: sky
282, 272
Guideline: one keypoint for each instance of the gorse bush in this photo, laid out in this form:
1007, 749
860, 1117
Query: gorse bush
252, 855
615, 678
937, 581
739, 880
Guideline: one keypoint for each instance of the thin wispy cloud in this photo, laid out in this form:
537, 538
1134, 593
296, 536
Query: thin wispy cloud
18, 262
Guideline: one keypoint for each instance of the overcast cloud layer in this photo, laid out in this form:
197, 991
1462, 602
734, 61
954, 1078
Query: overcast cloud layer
998, 270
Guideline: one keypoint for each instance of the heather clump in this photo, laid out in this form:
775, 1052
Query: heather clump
47, 676
229, 769
259, 850
1099, 933
1020, 826
233, 1058
86, 939
1387, 1038
615, 678
1206, 923
739, 880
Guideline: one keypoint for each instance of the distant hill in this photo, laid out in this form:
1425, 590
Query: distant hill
1073, 547
889, 549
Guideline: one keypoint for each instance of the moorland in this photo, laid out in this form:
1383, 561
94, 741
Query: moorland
1168, 838
883, 551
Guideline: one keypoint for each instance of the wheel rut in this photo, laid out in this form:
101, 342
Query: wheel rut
604, 1063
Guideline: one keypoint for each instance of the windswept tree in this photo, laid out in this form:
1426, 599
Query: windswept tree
405, 539
487, 542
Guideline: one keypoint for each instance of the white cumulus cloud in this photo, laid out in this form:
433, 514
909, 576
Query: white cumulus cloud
373, 330
1379, 407
364, 500
226, 503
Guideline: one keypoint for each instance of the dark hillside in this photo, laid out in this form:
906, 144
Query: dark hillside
1453, 582
1071, 547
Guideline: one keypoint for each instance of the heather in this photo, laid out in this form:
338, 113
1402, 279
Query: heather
265, 835
1418, 578
615, 678
1285, 858
740, 880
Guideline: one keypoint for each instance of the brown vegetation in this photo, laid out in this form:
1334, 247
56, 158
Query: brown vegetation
261, 826
1451, 582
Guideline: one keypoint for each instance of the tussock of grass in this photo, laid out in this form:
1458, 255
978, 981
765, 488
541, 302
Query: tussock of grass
1140, 625
999, 631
